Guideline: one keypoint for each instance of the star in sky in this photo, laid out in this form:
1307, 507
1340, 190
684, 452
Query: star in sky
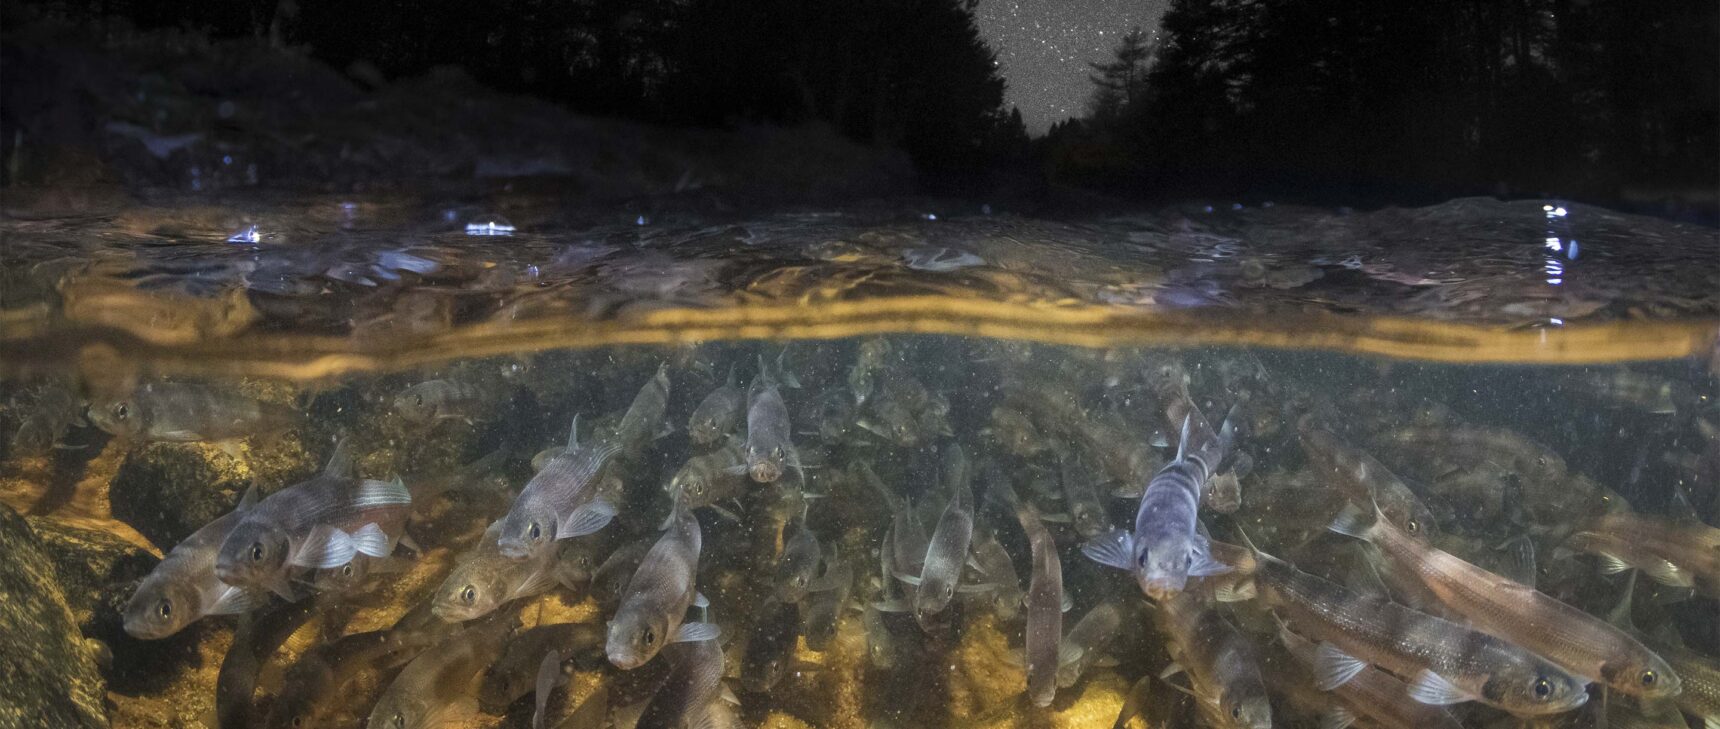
1043, 48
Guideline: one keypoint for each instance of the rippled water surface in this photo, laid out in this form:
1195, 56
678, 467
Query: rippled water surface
1532, 383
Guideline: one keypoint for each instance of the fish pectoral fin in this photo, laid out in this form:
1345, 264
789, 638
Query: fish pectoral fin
700, 601
1171, 670
370, 540
1667, 573
1056, 518
536, 583
325, 548
587, 519
1611, 564
1333, 667
1113, 549
237, 600
548, 677
976, 588
1068, 653
1065, 603
695, 632
1711, 721
739, 469
905, 577
1519, 563
1203, 565
1240, 591
1432, 688
1336, 717
1352, 522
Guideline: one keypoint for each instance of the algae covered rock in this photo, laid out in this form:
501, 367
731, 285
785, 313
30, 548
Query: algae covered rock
166, 491
48, 674
97, 572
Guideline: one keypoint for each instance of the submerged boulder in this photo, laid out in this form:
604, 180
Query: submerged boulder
48, 673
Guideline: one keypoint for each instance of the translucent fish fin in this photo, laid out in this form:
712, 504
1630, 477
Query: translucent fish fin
1680, 508
548, 676
587, 519
1068, 653
536, 583
1128, 490
725, 513
1333, 667
1711, 721
1352, 522
700, 601
573, 434
1057, 518
1431, 688
1519, 562
1202, 564
1113, 549
340, 462
694, 632
1667, 573
1336, 717
905, 577
1171, 670
280, 585
382, 493
1239, 591
1065, 603
237, 600
371, 541
1611, 564
739, 469
248, 500
1182, 442
973, 588
333, 549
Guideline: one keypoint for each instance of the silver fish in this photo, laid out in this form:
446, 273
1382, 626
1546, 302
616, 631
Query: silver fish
770, 645
433, 400
1081, 496
1220, 661
694, 682
718, 414
658, 596
184, 413
1164, 550
1087, 641
440, 687
317, 524
183, 588
821, 611
484, 578
1044, 596
708, 478
798, 565
643, 420
325, 680
559, 502
770, 449
947, 550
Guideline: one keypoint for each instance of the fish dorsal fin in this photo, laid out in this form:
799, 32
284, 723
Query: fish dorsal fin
248, 500
340, 463
1182, 442
730, 381
1680, 508
573, 434
1620, 615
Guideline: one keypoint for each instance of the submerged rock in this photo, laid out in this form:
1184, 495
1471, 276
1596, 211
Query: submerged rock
48, 674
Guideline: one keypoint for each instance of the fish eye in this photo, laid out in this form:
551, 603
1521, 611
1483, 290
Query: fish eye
1143, 558
120, 411
399, 720
164, 609
534, 531
418, 399
468, 594
1649, 677
256, 551
346, 570
776, 452
1236, 712
799, 580
650, 637
298, 721
1543, 687
1414, 526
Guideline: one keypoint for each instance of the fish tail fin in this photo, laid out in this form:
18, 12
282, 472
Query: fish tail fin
573, 433
548, 677
1227, 430
731, 378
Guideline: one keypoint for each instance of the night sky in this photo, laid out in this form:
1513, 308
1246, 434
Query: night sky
1043, 47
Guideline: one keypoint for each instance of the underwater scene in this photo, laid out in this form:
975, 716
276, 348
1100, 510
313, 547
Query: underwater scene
389, 462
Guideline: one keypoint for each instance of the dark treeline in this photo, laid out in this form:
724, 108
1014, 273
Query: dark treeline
1604, 98
909, 74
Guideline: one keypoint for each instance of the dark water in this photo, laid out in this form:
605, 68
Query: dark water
1527, 370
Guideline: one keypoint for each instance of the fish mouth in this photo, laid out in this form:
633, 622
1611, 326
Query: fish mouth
624, 662
765, 472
